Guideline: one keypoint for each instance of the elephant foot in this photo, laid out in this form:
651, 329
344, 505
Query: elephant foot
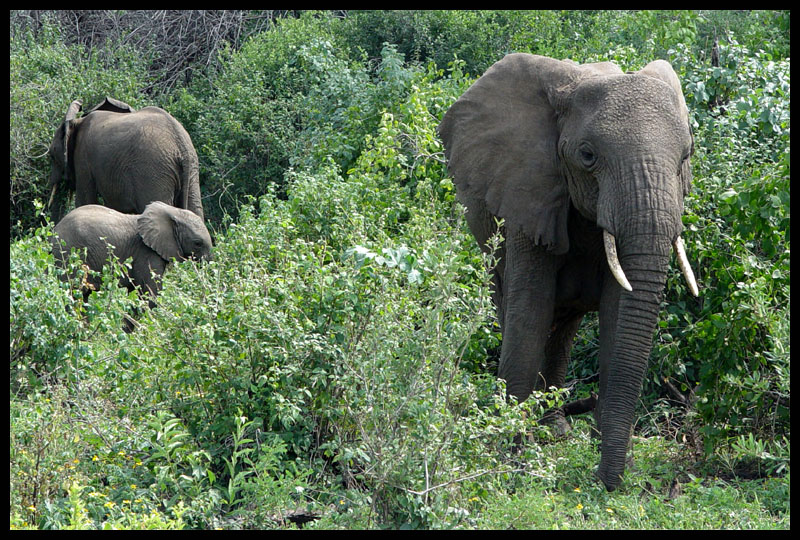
557, 420
580, 406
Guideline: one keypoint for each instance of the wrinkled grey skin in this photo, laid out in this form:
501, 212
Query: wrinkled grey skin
155, 237
562, 151
127, 157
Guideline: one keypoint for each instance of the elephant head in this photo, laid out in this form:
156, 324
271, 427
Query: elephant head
62, 171
174, 233
536, 141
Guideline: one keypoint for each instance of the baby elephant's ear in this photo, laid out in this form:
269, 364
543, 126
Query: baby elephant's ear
157, 229
500, 140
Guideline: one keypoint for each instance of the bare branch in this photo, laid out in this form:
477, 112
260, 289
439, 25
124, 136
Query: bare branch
178, 43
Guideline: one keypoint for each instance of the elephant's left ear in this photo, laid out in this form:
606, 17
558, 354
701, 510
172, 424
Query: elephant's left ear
156, 226
500, 140
662, 70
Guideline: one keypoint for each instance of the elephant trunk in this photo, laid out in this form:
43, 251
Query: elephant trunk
646, 270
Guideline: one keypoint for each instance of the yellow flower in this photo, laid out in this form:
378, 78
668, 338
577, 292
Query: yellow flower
133, 486
577, 490
109, 504
76, 460
579, 507
95, 458
609, 510
126, 501
32, 508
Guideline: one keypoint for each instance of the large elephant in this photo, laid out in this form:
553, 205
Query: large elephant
161, 233
129, 158
588, 167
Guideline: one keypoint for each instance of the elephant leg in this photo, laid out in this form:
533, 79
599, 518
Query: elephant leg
86, 189
529, 284
557, 350
554, 372
482, 225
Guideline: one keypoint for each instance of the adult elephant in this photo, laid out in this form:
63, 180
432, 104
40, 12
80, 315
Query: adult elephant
129, 158
588, 168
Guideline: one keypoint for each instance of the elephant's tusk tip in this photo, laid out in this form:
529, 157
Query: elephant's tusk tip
693, 289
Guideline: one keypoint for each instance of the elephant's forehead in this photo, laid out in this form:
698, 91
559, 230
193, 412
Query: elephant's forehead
630, 108
629, 96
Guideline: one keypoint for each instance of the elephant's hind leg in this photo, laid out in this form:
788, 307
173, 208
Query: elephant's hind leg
557, 350
554, 371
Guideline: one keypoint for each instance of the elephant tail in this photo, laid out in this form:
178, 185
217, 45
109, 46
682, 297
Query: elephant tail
189, 196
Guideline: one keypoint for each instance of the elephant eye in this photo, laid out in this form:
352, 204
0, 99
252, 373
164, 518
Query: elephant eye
684, 161
588, 158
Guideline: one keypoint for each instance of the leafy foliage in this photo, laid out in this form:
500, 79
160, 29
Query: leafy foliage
335, 360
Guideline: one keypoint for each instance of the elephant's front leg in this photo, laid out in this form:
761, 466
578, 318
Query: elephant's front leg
528, 302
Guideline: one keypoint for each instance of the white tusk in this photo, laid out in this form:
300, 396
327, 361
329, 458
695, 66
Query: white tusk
683, 263
613, 262
52, 194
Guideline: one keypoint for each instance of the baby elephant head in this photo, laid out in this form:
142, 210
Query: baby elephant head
174, 233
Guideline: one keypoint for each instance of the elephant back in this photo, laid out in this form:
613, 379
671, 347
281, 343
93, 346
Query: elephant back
93, 226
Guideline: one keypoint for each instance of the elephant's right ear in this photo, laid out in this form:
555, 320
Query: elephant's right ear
68, 127
157, 229
113, 105
500, 140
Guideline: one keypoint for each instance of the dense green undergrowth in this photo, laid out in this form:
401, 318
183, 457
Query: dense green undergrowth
334, 365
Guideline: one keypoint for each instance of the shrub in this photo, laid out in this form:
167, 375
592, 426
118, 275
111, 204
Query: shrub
334, 357
245, 120
731, 348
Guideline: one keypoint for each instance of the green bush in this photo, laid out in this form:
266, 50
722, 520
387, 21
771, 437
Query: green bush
245, 119
731, 348
334, 360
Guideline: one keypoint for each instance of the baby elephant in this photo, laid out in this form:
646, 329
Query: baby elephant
154, 237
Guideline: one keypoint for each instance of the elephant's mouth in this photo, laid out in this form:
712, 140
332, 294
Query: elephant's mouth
610, 245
